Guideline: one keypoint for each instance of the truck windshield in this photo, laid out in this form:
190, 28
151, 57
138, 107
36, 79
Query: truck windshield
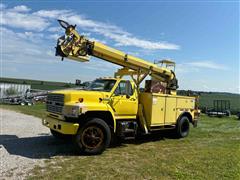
101, 85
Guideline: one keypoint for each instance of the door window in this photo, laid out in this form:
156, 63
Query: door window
124, 88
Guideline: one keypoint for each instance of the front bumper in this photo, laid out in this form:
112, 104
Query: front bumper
60, 126
195, 122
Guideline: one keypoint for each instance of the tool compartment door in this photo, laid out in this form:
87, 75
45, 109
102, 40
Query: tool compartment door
158, 110
170, 112
153, 107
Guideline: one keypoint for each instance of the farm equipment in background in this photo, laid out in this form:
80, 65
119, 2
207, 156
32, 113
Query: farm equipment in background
220, 108
81, 85
17, 100
29, 97
37, 95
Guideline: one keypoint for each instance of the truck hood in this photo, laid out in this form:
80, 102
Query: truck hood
74, 96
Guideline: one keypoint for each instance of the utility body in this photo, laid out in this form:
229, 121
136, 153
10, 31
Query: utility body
113, 108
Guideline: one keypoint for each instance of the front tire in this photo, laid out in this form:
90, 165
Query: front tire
183, 127
94, 137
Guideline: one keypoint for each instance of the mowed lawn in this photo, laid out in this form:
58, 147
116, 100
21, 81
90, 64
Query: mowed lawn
211, 151
35, 110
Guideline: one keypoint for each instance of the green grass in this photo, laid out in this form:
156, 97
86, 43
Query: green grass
211, 151
36, 110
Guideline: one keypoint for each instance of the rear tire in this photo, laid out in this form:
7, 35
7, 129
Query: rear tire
183, 127
94, 137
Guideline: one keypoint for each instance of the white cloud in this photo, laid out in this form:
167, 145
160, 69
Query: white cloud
183, 68
25, 43
54, 36
28, 36
132, 41
207, 64
198, 66
17, 49
21, 8
55, 29
52, 13
95, 39
32, 36
121, 37
22, 17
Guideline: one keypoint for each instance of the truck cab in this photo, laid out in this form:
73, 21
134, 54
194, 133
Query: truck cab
116, 95
108, 99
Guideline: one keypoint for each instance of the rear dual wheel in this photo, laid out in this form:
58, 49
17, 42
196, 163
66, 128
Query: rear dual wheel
93, 137
183, 127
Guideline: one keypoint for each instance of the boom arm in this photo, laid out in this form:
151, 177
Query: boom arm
79, 48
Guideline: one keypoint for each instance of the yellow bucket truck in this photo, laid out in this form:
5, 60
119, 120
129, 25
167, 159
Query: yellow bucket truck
113, 108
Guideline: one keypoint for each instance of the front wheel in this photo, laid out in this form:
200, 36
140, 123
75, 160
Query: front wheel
183, 127
94, 137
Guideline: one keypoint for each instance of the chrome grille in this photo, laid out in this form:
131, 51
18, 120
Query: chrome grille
55, 103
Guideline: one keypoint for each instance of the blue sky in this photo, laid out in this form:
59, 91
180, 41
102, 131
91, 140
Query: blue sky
201, 37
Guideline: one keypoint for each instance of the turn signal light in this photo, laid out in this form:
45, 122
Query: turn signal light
80, 100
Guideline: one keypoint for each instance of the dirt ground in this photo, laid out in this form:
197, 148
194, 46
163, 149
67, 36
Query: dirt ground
24, 143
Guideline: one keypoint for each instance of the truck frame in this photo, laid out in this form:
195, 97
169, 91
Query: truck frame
113, 108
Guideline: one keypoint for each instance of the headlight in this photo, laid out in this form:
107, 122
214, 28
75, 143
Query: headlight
72, 111
75, 111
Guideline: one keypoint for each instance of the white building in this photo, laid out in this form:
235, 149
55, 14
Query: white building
9, 89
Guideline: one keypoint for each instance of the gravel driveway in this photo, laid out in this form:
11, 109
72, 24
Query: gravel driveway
24, 143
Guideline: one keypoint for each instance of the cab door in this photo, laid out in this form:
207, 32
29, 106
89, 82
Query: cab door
124, 100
